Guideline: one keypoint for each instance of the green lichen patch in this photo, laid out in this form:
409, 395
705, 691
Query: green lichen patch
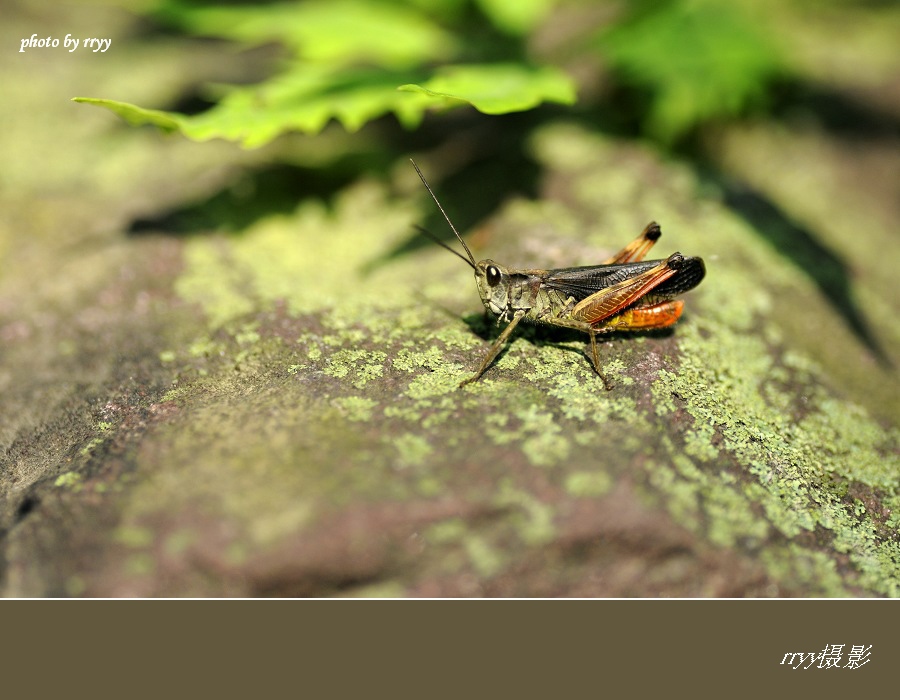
413, 450
356, 408
361, 366
786, 468
69, 480
588, 484
313, 260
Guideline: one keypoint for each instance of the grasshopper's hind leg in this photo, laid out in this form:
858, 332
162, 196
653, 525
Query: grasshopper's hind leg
639, 247
646, 318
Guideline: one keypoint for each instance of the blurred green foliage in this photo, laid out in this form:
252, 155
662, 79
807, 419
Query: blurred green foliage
356, 60
699, 59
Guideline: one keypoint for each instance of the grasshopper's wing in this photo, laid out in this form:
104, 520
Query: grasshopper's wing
613, 299
582, 282
638, 248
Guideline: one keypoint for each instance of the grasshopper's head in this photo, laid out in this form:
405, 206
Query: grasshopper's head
492, 281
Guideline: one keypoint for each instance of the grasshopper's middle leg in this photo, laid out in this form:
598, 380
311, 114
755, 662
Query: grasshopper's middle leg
595, 359
496, 347
593, 332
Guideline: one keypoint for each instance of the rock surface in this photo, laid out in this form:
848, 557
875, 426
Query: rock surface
270, 407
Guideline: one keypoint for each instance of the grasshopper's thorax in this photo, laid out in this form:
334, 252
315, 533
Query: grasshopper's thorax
503, 292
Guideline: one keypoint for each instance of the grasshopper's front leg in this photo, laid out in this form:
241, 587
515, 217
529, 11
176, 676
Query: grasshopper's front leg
496, 347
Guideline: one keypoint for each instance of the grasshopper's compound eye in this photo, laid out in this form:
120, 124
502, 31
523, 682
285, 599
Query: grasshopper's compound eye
493, 276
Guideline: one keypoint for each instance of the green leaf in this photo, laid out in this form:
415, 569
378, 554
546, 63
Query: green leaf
498, 88
137, 116
351, 56
307, 97
700, 59
516, 16
304, 99
336, 32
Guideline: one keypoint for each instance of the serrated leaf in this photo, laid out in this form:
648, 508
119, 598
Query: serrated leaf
304, 99
307, 97
336, 32
498, 88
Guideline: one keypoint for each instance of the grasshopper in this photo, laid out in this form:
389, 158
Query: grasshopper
623, 293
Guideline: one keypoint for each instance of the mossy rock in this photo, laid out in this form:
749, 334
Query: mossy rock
276, 411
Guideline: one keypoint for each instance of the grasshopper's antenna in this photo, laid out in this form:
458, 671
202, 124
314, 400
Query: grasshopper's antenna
471, 259
437, 240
